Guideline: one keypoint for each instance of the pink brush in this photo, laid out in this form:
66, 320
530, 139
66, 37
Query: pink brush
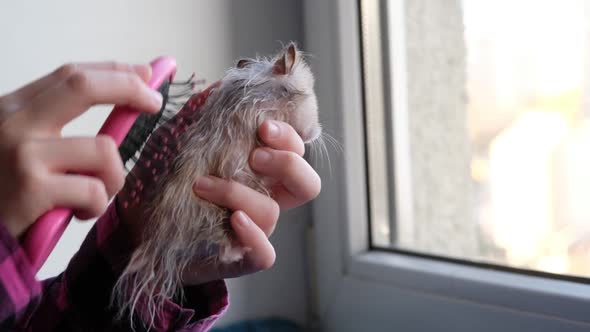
43, 235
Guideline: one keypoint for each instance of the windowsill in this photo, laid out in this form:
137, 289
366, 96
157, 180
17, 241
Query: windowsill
531, 294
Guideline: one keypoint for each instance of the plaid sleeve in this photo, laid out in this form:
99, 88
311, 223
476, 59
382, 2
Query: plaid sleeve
79, 299
19, 290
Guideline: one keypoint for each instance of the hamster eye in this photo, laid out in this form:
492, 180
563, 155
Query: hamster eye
284, 92
244, 62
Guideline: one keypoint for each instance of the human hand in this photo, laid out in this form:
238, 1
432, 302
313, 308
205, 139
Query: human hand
38, 164
294, 182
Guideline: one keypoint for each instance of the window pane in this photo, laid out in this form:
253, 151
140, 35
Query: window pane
497, 110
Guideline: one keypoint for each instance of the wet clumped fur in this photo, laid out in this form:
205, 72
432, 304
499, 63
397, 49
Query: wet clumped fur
183, 229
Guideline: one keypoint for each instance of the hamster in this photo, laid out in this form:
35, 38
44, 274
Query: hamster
214, 134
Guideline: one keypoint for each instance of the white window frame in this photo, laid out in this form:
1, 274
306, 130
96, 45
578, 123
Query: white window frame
357, 289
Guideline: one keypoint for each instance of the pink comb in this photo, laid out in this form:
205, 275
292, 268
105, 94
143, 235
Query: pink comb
43, 235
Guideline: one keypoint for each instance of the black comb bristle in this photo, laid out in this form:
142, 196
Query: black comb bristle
143, 127
175, 95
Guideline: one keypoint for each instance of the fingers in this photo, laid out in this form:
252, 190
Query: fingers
87, 196
236, 196
298, 182
97, 156
30, 90
261, 254
281, 136
83, 88
38, 173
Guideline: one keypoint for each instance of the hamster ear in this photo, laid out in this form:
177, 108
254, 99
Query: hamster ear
243, 63
290, 57
284, 64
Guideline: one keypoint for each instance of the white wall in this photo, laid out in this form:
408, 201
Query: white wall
205, 37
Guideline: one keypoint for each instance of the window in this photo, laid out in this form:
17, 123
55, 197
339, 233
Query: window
404, 56
478, 131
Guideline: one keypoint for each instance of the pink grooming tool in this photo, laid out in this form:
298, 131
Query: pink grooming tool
43, 235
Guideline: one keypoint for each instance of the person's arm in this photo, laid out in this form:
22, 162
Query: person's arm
20, 292
79, 298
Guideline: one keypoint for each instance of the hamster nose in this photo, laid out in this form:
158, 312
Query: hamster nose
311, 134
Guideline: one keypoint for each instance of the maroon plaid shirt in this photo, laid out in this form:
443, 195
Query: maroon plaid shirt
78, 299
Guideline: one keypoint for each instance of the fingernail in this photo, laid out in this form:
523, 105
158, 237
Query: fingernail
157, 98
273, 129
243, 220
261, 156
203, 184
